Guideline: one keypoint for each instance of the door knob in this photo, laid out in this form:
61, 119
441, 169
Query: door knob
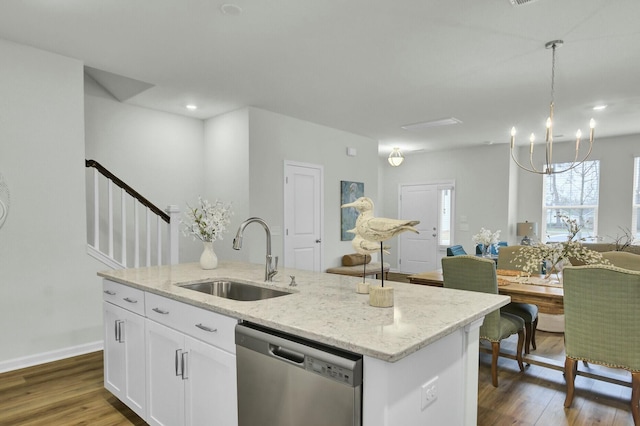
318, 241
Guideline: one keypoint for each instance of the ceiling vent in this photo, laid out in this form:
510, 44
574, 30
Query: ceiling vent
433, 123
521, 2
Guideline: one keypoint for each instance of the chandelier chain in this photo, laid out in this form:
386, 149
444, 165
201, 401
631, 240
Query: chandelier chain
553, 73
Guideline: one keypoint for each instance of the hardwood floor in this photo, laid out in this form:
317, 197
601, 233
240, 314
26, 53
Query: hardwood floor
536, 396
70, 392
67, 392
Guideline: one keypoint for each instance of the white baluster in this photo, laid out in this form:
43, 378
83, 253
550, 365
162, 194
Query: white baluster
136, 235
148, 236
159, 240
96, 209
110, 204
173, 233
123, 212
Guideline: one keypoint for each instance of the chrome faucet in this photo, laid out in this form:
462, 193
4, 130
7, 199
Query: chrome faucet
269, 269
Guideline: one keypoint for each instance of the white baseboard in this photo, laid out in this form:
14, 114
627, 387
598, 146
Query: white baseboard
31, 360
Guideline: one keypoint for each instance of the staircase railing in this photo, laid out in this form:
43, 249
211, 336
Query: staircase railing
124, 231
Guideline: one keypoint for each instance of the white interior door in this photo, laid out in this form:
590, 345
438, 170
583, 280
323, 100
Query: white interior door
303, 195
419, 252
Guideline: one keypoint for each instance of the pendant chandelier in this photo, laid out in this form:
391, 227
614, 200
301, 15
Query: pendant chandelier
548, 165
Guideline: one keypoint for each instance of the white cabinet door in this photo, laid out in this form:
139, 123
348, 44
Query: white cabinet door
165, 390
211, 397
124, 356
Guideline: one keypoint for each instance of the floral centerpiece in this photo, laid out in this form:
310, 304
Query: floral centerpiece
487, 239
206, 222
531, 258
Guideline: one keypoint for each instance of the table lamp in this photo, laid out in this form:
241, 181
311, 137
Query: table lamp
526, 230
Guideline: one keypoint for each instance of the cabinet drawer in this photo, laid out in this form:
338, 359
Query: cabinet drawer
210, 327
124, 296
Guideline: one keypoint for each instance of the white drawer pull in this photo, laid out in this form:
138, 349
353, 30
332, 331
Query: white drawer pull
205, 328
110, 293
126, 299
160, 311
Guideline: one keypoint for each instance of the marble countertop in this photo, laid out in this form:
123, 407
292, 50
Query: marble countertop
325, 307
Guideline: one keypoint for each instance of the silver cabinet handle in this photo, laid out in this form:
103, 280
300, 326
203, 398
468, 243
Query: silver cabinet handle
160, 311
178, 362
110, 293
122, 331
205, 328
127, 299
185, 365
118, 330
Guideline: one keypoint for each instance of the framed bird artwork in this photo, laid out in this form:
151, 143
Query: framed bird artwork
349, 192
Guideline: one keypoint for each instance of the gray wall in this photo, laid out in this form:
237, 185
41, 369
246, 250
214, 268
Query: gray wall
492, 192
275, 138
50, 296
158, 154
616, 183
481, 178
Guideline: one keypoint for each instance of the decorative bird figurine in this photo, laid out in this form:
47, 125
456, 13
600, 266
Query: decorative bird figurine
378, 228
362, 246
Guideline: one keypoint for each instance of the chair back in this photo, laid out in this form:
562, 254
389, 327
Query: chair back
456, 250
474, 273
602, 316
623, 259
506, 256
493, 248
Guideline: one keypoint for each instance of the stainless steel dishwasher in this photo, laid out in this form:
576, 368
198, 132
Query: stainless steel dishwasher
287, 381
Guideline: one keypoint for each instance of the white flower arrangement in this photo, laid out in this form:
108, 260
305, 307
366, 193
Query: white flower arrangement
530, 258
207, 221
486, 237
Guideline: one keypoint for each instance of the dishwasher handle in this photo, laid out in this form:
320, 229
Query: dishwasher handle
286, 354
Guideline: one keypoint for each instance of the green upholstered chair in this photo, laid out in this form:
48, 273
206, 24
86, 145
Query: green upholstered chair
601, 318
623, 259
478, 274
527, 311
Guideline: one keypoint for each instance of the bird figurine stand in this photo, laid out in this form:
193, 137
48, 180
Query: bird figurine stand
370, 229
363, 287
379, 295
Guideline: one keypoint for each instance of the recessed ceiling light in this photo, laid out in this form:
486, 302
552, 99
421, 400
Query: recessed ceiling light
191, 107
433, 123
230, 9
599, 107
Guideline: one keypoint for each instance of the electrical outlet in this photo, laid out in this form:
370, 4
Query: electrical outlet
429, 392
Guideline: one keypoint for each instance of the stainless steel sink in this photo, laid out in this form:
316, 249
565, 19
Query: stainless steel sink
235, 290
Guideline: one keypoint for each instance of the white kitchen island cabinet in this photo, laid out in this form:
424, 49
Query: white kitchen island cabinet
190, 382
420, 357
124, 345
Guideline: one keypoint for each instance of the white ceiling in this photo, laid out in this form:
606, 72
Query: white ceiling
363, 66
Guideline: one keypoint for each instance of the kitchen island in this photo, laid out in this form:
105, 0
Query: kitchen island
429, 337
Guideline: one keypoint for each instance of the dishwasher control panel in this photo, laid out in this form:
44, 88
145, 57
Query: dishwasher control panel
329, 370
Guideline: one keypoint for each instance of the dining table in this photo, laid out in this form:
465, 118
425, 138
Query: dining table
546, 293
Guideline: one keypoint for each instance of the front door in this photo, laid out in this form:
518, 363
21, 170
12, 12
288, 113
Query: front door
303, 216
419, 252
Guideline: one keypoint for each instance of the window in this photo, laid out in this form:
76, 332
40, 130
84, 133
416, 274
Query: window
444, 216
573, 194
635, 225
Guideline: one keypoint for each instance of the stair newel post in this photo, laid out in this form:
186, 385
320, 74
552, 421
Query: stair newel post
174, 232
